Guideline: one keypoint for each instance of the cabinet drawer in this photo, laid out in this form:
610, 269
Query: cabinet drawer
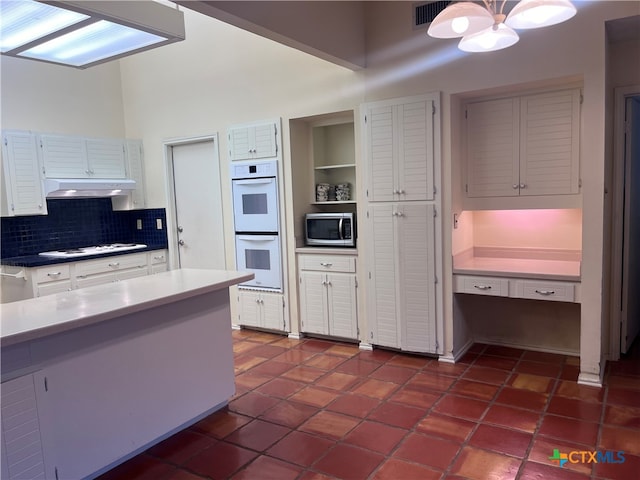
328, 263
50, 288
52, 273
158, 257
543, 290
111, 264
498, 287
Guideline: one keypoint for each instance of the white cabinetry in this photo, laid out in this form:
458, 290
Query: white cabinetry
524, 146
402, 153
261, 309
78, 157
136, 199
529, 288
61, 277
22, 189
400, 150
253, 141
110, 269
402, 289
22, 452
328, 292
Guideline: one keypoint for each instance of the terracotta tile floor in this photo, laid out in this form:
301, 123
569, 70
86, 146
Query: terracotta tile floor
315, 409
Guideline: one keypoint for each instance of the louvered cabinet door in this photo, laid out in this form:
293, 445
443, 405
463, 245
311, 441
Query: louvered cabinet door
416, 277
249, 310
264, 141
493, 148
381, 153
24, 193
64, 156
135, 162
342, 304
415, 151
383, 301
549, 143
106, 158
313, 302
272, 311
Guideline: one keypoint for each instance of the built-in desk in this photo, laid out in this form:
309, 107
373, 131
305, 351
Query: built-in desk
518, 273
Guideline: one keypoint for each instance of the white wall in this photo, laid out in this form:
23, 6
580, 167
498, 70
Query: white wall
50, 98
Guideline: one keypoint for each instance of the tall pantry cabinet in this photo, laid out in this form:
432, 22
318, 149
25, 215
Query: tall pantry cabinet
403, 200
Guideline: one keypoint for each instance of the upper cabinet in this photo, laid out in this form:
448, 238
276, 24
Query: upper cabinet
22, 189
523, 145
400, 148
67, 156
253, 141
136, 199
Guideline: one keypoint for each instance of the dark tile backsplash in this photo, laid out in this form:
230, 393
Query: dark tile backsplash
79, 222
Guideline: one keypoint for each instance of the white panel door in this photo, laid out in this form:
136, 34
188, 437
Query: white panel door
416, 277
342, 305
381, 153
23, 176
549, 143
493, 148
416, 150
64, 156
105, 158
313, 302
383, 306
198, 198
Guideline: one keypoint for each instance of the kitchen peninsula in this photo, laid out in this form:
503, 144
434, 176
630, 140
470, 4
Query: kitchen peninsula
93, 376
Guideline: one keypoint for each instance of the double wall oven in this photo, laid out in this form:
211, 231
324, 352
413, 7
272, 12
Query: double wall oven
257, 227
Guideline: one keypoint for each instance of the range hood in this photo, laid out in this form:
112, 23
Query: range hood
87, 187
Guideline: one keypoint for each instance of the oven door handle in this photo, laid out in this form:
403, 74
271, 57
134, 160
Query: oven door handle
256, 238
256, 181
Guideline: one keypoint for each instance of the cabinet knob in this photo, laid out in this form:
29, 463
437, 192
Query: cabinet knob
515, 186
401, 192
39, 205
523, 185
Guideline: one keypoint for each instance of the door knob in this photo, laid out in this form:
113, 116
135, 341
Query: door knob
180, 229
180, 242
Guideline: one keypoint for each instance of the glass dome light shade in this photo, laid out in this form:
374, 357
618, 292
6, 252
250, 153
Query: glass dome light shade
459, 19
540, 13
493, 38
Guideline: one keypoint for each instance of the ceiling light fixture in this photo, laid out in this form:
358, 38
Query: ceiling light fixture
82, 34
488, 29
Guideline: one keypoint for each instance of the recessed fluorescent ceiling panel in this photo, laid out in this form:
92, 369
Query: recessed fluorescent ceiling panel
82, 34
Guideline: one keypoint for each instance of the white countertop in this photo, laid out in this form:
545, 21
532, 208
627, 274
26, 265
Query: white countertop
519, 263
38, 317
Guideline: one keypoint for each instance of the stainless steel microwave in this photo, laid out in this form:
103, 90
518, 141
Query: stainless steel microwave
330, 229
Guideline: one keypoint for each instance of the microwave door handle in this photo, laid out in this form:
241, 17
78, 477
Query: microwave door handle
340, 228
257, 181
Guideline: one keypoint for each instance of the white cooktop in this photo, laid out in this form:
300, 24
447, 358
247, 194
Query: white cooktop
95, 250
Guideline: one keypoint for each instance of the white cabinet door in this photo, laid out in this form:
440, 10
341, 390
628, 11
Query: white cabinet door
253, 142
313, 302
342, 305
106, 158
64, 156
549, 143
22, 452
135, 162
400, 150
524, 146
402, 293
22, 175
492, 148
382, 294
261, 309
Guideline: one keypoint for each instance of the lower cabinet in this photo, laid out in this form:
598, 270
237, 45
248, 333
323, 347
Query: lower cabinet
61, 277
261, 309
328, 295
529, 288
402, 289
22, 450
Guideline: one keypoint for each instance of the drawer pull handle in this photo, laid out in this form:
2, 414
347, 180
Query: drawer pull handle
326, 264
546, 292
482, 287
158, 257
54, 274
114, 264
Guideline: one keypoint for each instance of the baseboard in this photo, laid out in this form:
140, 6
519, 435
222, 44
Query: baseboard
454, 358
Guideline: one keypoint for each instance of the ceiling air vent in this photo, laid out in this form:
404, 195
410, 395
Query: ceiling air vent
424, 13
